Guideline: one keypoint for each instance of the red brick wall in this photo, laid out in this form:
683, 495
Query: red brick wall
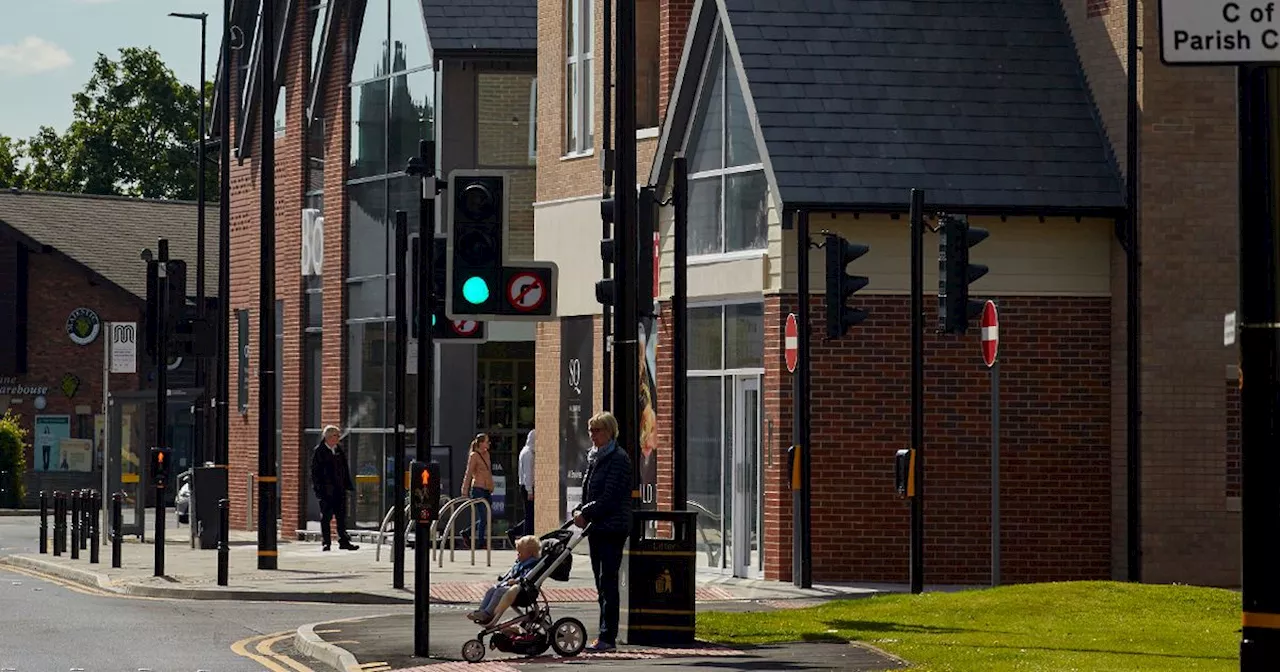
675, 26
57, 287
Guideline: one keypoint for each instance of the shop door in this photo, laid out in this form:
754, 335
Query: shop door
129, 426
746, 488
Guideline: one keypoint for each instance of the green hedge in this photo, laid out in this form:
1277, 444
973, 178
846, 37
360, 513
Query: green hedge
13, 461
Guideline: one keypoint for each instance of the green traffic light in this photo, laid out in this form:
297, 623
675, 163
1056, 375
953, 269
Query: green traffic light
475, 290
433, 320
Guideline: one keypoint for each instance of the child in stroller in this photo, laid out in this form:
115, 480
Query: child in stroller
531, 631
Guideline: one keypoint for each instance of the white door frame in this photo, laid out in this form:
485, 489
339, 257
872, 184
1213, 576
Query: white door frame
746, 500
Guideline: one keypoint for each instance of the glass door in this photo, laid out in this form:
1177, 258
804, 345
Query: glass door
746, 477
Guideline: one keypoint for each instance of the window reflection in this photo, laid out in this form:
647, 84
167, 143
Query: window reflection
366, 374
704, 463
705, 338
746, 211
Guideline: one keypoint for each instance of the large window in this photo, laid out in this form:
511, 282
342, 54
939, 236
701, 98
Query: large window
648, 46
728, 193
579, 114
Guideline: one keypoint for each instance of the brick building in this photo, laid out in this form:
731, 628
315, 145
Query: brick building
357, 85
1012, 113
70, 264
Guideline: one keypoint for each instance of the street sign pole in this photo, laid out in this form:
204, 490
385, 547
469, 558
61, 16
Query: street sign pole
990, 348
162, 387
917, 389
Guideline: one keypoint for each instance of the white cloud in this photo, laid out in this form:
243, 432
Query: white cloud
32, 56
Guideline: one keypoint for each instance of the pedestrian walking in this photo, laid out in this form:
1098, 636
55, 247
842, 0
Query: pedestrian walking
526, 490
477, 483
606, 493
331, 481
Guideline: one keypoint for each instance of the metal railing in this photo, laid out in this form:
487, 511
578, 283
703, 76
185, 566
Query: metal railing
713, 558
448, 533
386, 520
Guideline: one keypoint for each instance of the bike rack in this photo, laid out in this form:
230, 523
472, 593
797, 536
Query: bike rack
437, 544
470, 505
713, 558
408, 511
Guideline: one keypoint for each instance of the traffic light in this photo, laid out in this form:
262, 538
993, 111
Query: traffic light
159, 467
480, 284
442, 328
606, 288
841, 285
176, 303
424, 484
955, 273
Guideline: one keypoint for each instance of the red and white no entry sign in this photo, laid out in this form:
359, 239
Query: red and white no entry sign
791, 343
990, 334
465, 327
526, 292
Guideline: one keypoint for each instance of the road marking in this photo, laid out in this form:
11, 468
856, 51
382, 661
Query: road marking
380, 666
64, 583
265, 647
240, 648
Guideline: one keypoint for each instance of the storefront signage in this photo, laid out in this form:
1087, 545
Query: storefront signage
312, 242
50, 431
11, 386
577, 347
83, 326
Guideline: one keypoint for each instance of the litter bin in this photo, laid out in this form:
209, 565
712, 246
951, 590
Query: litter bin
209, 484
659, 604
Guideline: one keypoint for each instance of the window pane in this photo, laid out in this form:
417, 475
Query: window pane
589, 105
571, 108
648, 32
369, 129
706, 337
704, 462
368, 298
367, 233
412, 107
315, 157
742, 142
571, 9
744, 336
706, 132
282, 102
315, 306
746, 217
502, 118
313, 370
704, 216
371, 44
366, 371
408, 35
318, 12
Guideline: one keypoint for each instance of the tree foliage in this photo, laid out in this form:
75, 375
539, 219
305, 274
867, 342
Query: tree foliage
133, 133
13, 461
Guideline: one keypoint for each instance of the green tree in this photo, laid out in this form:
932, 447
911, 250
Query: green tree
13, 461
11, 151
48, 167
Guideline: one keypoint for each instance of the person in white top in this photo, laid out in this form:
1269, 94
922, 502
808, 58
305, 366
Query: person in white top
526, 489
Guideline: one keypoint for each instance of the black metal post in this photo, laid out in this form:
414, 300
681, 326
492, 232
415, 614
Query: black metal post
267, 555
402, 356
626, 338
75, 524
801, 500
86, 501
224, 541
95, 526
117, 522
162, 390
222, 428
160, 526
679, 336
44, 522
199, 429
606, 228
1133, 312
59, 522
1259, 110
917, 388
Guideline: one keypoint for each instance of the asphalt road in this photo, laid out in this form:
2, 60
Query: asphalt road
47, 626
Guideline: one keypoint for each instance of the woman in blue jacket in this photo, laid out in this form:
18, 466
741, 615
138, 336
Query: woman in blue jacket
606, 493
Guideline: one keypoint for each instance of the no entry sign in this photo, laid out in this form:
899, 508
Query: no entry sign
526, 292
990, 334
791, 343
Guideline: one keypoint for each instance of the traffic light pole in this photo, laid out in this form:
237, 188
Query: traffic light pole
606, 163
626, 385
267, 555
1259, 110
917, 388
162, 386
402, 351
801, 537
222, 429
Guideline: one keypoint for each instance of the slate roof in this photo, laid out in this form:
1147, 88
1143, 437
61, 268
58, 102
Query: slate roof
981, 104
481, 25
106, 234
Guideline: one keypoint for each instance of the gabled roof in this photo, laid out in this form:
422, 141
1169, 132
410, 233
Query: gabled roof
106, 234
491, 26
981, 104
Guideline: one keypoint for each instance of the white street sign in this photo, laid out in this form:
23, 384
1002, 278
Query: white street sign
123, 346
1229, 328
1219, 32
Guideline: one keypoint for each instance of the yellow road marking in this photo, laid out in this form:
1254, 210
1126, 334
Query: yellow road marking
265, 647
72, 585
240, 648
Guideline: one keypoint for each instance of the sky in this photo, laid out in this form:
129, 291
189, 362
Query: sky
47, 48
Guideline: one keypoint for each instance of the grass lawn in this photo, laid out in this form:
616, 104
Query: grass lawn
1058, 627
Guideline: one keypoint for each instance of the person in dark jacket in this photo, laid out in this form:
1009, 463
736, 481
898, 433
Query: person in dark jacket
331, 481
606, 493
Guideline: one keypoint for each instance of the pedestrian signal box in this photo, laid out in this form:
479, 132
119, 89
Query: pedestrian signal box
424, 481
904, 473
159, 467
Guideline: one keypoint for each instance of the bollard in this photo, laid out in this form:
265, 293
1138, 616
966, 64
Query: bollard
75, 524
86, 510
59, 522
44, 522
117, 521
224, 541
95, 509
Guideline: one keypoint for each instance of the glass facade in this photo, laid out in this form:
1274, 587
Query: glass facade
728, 192
393, 102
726, 360
505, 411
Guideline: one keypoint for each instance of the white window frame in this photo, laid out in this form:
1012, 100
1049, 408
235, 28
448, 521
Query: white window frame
533, 121
282, 110
579, 113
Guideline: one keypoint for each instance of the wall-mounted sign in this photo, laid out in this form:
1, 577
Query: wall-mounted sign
10, 386
124, 346
83, 326
70, 383
50, 430
312, 242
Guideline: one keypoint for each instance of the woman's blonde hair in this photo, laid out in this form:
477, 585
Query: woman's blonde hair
529, 541
480, 438
604, 420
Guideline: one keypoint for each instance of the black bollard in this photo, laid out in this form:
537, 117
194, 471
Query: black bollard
117, 522
75, 524
224, 541
44, 522
95, 524
86, 517
59, 522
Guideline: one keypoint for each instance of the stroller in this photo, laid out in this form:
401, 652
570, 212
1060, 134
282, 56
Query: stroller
531, 631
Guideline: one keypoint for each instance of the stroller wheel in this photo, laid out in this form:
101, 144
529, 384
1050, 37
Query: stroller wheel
568, 637
473, 651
